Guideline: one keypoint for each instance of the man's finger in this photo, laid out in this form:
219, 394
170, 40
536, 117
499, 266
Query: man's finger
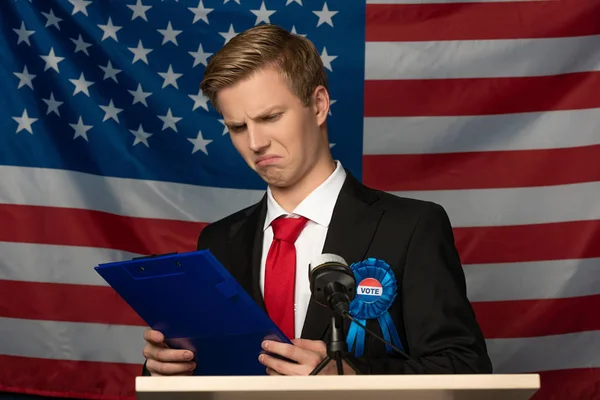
154, 337
279, 366
162, 368
167, 355
291, 352
313, 345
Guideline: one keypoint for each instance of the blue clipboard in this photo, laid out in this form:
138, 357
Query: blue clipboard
196, 303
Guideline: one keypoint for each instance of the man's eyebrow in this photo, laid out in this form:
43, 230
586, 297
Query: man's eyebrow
262, 114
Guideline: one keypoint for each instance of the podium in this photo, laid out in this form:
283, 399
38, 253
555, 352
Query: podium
345, 387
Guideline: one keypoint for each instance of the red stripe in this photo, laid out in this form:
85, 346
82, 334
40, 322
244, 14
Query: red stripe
481, 96
482, 170
66, 378
76, 227
477, 21
63, 302
536, 242
569, 384
530, 318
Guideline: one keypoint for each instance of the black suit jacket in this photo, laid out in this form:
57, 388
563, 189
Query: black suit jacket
434, 318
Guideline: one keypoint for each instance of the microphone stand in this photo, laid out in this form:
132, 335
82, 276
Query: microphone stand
336, 348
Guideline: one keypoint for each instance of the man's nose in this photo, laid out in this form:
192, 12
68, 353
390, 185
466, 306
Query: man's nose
258, 140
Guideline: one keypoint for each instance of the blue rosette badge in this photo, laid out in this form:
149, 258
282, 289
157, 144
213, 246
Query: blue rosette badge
376, 290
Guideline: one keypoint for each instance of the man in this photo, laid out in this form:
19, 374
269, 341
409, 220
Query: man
271, 89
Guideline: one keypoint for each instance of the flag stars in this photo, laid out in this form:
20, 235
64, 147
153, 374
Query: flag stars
325, 16
51, 19
199, 100
200, 57
80, 45
110, 30
262, 14
110, 72
111, 112
52, 60
200, 12
140, 53
169, 34
81, 85
170, 78
225, 129
169, 120
288, 2
80, 6
139, 10
25, 122
293, 31
229, 34
80, 129
23, 34
140, 136
25, 78
332, 102
327, 59
139, 96
200, 143
52, 104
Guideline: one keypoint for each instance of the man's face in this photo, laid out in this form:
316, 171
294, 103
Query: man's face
277, 136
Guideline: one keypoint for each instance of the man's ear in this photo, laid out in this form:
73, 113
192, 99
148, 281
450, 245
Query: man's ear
321, 104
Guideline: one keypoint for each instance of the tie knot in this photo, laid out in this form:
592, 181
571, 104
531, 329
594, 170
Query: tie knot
288, 229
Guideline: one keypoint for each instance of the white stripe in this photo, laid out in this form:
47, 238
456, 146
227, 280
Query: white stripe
533, 280
31, 262
527, 131
442, 1
132, 197
485, 282
516, 206
72, 341
481, 58
547, 353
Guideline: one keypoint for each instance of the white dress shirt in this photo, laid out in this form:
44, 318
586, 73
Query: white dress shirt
317, 207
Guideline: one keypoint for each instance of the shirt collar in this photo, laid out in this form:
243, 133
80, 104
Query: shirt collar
317, 206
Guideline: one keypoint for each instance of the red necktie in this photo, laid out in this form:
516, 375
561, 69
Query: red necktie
280, 273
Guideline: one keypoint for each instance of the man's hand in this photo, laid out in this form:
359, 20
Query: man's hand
307, 353
164, 361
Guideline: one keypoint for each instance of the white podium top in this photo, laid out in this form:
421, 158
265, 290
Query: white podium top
348, 387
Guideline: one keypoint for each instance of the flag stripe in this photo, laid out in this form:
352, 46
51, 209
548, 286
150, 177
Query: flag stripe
547, 353
478, 207
63, 302
480, 21
477, 245
481, 96
68, 378
532, 280
530, 318
482, 170
568, 384
124, 344
34, 262
130, 197
61, 340
516, 206
481, 58
527, 131
97, 229
504, 244
69, 265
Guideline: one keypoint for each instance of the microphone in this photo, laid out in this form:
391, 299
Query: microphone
332, 284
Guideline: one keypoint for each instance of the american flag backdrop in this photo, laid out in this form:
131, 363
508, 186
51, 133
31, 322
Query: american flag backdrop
109, 151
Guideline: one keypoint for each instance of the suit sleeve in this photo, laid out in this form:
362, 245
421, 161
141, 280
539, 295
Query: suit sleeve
442, 333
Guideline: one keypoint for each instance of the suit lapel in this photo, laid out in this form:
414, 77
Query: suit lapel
350, 233
245, 249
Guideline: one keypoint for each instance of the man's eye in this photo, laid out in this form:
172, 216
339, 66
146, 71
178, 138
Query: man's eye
271, 117
236, 129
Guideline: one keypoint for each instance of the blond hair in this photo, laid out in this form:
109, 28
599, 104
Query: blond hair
263, 46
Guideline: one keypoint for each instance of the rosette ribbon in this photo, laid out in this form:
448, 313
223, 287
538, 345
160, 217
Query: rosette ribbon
364, 308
